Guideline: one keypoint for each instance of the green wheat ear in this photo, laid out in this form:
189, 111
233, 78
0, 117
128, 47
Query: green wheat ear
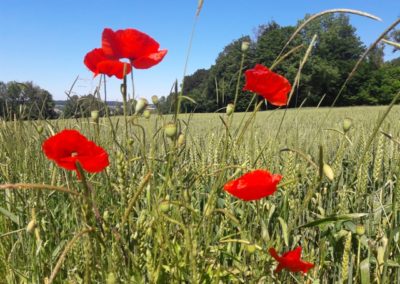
346, 257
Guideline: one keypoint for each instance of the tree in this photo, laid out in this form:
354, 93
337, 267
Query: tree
382, 85
25, 101
222, 80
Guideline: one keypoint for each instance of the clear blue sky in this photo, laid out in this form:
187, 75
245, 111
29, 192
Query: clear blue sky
44, 41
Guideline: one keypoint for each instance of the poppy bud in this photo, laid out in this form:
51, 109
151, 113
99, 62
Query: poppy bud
111, 279
251, 248
141, 104
106, 215
154, 99
130, 142
181, 139
94, 115
123, 89
230, 108
347, 122
146, 113
360, 229
245, 45
164, 206
31, 226
170, 130
328, 172
39, 129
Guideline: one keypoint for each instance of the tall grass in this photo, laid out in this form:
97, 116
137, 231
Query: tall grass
180, 225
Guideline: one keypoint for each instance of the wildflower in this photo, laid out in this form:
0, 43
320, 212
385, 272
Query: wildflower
272, 86
291, 261
140, 49
68, 147
253, 185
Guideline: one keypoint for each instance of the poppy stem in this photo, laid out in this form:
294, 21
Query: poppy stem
238, 81
86, 204
124, 105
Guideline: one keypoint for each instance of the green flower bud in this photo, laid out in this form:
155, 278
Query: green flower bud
154, 99
94, 115
39, 129
251, 248
164, 206
347, 122
106, 215
170, 130
181, 140
360, 229
122, 89
146, 113
245, 45
141, 105
230, 108
328, 172
31, 226
111, 278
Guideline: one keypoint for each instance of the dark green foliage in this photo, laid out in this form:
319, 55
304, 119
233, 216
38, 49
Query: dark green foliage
334, 55
25, 101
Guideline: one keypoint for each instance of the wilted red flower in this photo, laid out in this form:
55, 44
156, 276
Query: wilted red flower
291, 261
272, 86
253, 185
69, 146
141, 50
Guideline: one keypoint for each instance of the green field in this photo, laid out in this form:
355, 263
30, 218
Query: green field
159, 214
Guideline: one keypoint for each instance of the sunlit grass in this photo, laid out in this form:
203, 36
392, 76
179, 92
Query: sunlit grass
182, 226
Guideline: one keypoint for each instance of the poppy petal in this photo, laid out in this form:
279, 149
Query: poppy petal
272, 86
149, 60
69, 146
274, 254
95, 160
93, 58
114, 68
128, 43
291, 261
253, 185
99, 63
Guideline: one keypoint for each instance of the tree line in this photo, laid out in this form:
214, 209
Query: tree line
332, 58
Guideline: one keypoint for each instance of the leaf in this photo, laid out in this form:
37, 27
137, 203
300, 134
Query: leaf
333, 219
364, 269
189, 99
10, 215
284, 231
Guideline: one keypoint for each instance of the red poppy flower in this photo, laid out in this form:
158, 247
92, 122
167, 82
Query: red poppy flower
140, 49
253, 185
272, 86
69, 146
291, 261
99, 63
